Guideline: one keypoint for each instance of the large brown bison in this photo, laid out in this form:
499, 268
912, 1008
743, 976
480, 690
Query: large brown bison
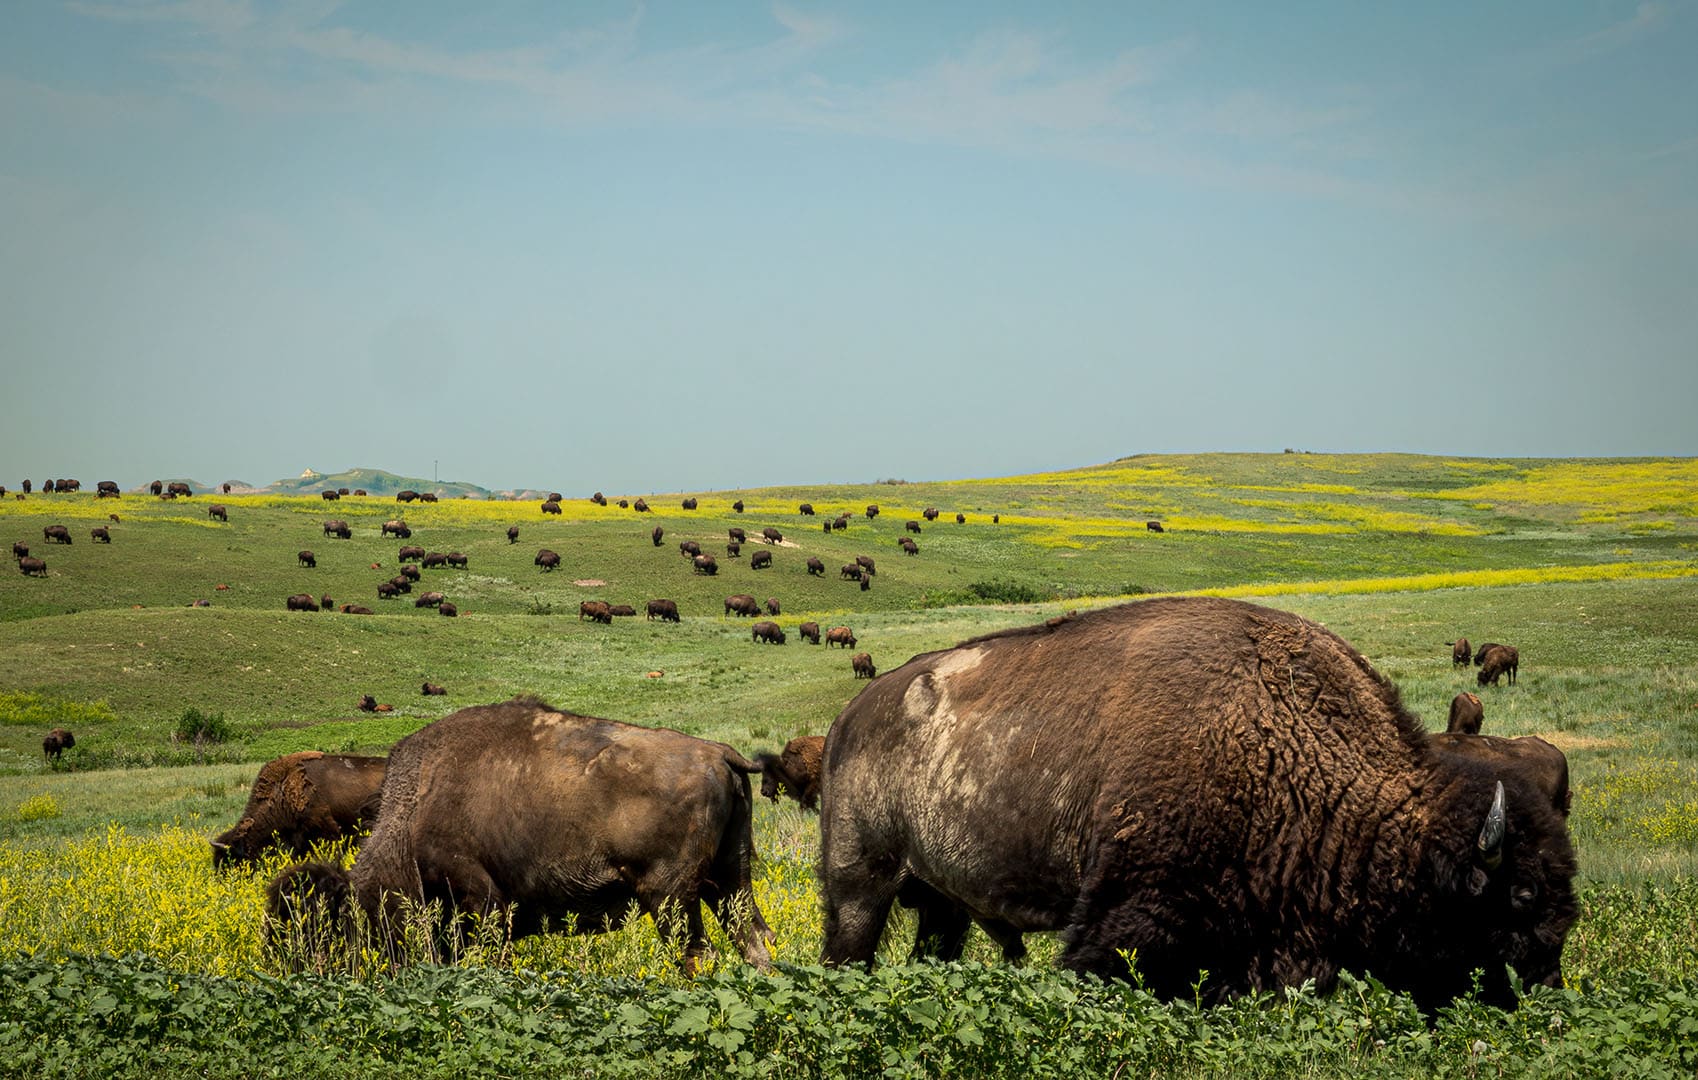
338, 529
1153, 526
547, 559
769, 632
218, 512
226, 489
1459, 652
330, 494
611, 816
705, 564
772, 535
738, 506
56, 743
100, 534
913, 527
960, 519
1499, 660
427, 496
862, 665
840, 635
448, 611
738, 534
387, 590
850, 571
57, 534
599, 499
406, 496
512, 534
19, 549
410, 571
402, 583
409, 551
929, 513
154, 488
551, 507
806, 509
302, 799
742, 604
597, 610
430, 689
1543, 763
640, 506
872, 511
1205, 784
908, 546
809, 632
457, 560
30, 566
815, 566
664, 610
396, 528
689, 549
690, 503
621, 610
1466, 714
733, 549
760, 560
795, 772
429, 599
434, 560
865, 562
107, 489
306, 558
179, 488
657, 535
772, 607
300, 602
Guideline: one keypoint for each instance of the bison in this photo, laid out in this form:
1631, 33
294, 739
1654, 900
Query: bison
402, 583
555, 496
57, 534
862, 665
330, 494
512, 534
154, 488
306, 558
1203, 784
913, 527
447, 610
806, 509
304, 799
733, 549
825, 526
742, 604
411, 572
810, 632
100, 534
866, 581
690, 503
409, 551
772, 605
19, 549
1480, 653
738, 506
396, 528
406, 496
689, 549
326, 603
1153, 526
1459, 652
610, 817
872, 511
551, 507
850, 571
300, 602
960, 519
738, 534
760, 560
769, 632
179, 488
1499, 660
430, 689
664, 610
929, 513
1544, 764
457, 560
56, 743
640, 506
427, 497
434, 560
597, 610
620, 610
367, 703
623, 504
772, 535
599, 499
338, 529
795, 772
226, 489
218, 512
547, 559
1466, 714
841, 524
429, 599
908, 546
816, 567
840, 635
657, 535
355, 609
865, 562
107, 488
30, 566
387, 591
705, 564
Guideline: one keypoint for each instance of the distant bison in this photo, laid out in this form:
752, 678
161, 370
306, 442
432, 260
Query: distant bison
430, 689
657, 535
841, 524
806, 509
599, 499
872, 511
304, 799
865, 562
1153, 526
429, 599
1466, 715
154, 488
795, 772
689, 549
733, 549
908, 546
623, 504
930, 513
738, 506
597, 610
840, 635
512, 534
406, 496
1500, 660
447, 610
31, 566
1459, 652
862, 664
58, 534
816, 567
410, 571
664, 610
689, 504
772, 535
1480, 653
457, 560
355, 609
825, 526
56, 743
737, 533
178, 488
621, 610
850, 571
555, 496
409, 551
387, 591
742, 604
640, 506
326, 603
330, 494
547, 559
19, 549
427, 497
913, 527
306, 558
218, 512
611, 818
1530, 755
301, 602
760, 560
809, 631
769, 632
960, 519
705, 564
100, 534
551, 507
402, 583
396, 528
105, 488
772, 605
338, 529
433, 560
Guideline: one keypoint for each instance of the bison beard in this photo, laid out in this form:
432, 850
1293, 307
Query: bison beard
611, 816
1214, 785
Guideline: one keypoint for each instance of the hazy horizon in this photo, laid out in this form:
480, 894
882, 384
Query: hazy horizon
665, 247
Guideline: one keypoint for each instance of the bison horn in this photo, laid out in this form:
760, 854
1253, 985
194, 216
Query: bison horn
1490, 843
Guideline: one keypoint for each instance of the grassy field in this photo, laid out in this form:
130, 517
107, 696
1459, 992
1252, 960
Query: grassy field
1589, 567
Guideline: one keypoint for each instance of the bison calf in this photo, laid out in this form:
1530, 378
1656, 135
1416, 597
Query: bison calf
862, 664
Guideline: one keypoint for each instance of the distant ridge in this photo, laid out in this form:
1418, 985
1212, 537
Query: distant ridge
375, 482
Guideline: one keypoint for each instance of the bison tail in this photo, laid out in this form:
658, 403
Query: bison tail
744, 765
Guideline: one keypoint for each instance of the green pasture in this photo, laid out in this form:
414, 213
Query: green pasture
1398, 554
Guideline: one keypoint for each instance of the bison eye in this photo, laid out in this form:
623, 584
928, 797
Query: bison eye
1522, 897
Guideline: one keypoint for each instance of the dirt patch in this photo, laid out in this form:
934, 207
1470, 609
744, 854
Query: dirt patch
1566, 741
589, 582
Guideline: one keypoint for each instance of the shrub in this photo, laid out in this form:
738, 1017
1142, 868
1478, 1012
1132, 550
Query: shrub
38, 807
998, 591
201, 728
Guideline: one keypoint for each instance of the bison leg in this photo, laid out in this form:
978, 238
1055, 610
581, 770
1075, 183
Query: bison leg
728, 887
857, 905
943, 924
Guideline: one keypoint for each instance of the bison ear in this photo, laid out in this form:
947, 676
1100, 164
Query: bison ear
1490, 843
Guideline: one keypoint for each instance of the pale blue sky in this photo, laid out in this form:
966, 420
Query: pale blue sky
685, 246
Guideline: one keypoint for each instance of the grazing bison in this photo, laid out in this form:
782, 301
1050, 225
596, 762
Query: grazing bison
960, 519
866, 581
850, 571
551, 507
338, 529
810, 632
737, 533
865, 562
406, 496
431, 689
330, 494
1459, 652
434, 560
57, 534
1543, 763
19, 549
795, 772
357, 491
226, 489
512, 534
1466, 715
622, 609
1500, 660
387, 591
872, 511
689, 549
772, 605
179, 488
306, 558
547, 559
657, 535
113, 518
411, 572
599, 499
1480, 653
100, 534
806, 509
664, 610
733, 549
301, 602
840, 635
996, 519
862, 664
908, 546
772, 535
623, 504
303, 799
929, 513
760, 560
611, 816
447, 610
738, 506
56, 743
429, 599
402, 583
1203, 783
397, 528
597, 610
409, 551
30, 566
690, 504
705, 564
769, 632
913, 527
742, 604
457, 560
218, 512
154, 488
816, 567
104, 488
825, 526
640, 506
355, 609
841, 524
326, 603
1153, 526
555, 496
427, 497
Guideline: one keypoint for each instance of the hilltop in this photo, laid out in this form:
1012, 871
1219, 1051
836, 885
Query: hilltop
380, 482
